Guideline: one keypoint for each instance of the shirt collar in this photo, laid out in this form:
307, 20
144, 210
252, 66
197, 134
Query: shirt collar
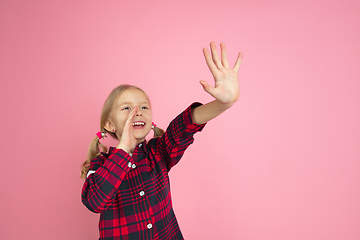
140, 146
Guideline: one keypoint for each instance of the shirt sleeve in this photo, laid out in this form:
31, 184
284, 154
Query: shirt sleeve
100, 187
178, 137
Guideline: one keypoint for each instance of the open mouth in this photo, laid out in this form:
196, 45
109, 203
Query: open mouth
138, 124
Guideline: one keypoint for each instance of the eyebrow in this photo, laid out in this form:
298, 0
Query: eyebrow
124, 103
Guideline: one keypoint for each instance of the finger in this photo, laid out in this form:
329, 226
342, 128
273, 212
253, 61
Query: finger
224, 60
209, 60
130, 117
209, 89
215, 56
238, 62
133, 113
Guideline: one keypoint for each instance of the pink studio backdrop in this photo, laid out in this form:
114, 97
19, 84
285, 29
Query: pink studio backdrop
282, 164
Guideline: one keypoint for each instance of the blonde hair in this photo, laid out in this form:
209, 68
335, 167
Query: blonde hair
95, 144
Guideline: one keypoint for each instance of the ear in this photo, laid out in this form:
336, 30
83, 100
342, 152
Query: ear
109, 126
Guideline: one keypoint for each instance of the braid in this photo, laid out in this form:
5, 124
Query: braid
93, 152
158, 132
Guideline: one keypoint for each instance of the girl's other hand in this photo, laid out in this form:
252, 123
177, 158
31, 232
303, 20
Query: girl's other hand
226, 89
128, 141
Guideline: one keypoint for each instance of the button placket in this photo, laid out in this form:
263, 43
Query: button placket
141, 191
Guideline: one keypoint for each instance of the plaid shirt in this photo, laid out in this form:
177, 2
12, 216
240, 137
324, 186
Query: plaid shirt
132, 193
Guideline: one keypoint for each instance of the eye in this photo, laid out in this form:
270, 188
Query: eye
144, 108
126, 108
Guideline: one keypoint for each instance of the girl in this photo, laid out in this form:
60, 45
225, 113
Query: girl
129, 185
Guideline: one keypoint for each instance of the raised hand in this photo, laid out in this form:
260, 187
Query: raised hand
128, 141
226, 88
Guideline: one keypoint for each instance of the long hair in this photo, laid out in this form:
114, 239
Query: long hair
95, 145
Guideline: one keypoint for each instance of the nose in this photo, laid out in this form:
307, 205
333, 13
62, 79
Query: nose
138, 112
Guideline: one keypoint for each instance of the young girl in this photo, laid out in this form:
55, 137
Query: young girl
129, 185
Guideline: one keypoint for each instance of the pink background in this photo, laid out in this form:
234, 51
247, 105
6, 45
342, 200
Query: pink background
282, 164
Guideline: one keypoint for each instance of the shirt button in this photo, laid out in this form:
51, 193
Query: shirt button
140, 144
149, 226
133, 166
129, 164
142, 193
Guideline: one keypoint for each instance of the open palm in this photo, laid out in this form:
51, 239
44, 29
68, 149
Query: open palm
226, 88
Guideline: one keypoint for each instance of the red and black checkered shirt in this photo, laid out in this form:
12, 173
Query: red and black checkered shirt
132, 193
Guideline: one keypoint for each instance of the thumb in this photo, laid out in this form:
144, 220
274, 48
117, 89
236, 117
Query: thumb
209, 89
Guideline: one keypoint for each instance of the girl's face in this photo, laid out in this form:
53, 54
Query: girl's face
142, 120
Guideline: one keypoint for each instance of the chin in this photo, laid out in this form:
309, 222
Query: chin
141, 134
140, 138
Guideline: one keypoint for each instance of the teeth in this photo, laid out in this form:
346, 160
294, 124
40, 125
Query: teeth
138, 124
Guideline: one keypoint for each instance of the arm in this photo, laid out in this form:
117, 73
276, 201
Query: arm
100, 187
178, 137
226, 89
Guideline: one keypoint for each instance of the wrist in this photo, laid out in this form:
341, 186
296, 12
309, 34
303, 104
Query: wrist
126, 149
224, 105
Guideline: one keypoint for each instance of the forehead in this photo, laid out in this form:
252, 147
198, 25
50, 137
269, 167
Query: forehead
132, 95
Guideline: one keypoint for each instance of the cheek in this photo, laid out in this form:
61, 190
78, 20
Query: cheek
150, 116
121, 119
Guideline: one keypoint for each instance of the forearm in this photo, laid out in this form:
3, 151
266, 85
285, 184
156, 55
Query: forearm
206, 112
101, 186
